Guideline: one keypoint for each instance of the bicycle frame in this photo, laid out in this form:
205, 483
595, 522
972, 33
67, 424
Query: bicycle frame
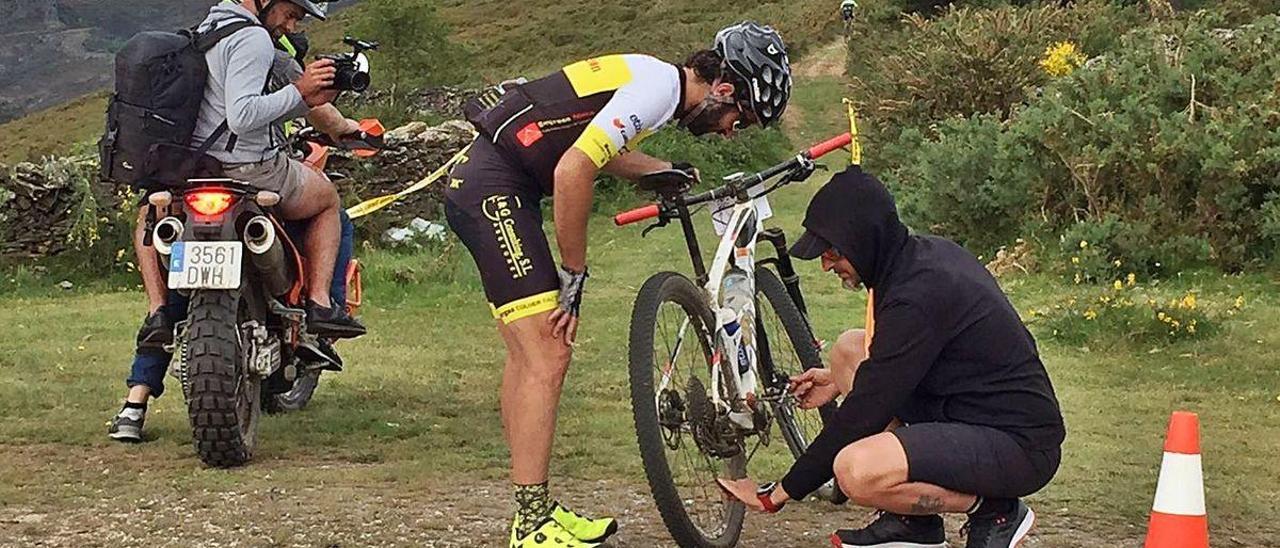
737, 247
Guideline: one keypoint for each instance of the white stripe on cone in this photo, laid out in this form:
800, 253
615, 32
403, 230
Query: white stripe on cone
1180, 490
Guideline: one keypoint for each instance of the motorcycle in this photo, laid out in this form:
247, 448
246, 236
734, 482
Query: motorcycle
244, 347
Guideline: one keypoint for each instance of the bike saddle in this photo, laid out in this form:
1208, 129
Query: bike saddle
666, 182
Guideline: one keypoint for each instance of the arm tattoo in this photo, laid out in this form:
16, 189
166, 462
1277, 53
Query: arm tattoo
927, 505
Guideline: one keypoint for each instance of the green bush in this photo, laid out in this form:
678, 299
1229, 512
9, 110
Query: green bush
1127, 312
968, 61
1167, 147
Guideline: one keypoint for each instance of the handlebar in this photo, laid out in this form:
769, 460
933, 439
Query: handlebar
804, 158
636, 215
821, 149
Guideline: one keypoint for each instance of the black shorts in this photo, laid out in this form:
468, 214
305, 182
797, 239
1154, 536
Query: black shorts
495, 209
975, 460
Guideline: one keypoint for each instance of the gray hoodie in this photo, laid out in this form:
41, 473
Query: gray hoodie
238, 92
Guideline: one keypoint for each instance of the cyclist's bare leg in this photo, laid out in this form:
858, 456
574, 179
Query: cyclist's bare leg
153, 281
318, 201
512, 366
873, 473
531, 396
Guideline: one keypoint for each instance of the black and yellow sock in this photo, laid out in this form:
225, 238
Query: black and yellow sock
533, 506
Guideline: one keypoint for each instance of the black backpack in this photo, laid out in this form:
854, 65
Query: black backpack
160, 84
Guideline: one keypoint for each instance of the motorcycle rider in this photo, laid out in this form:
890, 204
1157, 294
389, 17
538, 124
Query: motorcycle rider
166, 308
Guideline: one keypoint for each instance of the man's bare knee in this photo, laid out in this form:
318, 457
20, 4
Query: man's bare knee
545, 358
849, 349
865, 474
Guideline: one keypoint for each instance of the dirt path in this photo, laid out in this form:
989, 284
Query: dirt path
337, 513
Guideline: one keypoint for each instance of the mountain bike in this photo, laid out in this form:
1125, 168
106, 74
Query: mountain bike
710, 360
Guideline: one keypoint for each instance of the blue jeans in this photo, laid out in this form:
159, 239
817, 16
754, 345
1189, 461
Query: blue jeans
150, 365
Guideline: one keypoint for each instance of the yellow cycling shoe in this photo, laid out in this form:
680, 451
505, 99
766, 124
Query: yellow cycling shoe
584, 528
548, 535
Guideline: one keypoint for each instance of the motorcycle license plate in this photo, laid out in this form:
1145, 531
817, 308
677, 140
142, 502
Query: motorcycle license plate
205, 265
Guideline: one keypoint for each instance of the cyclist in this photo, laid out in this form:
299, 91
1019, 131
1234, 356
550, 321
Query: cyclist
949, 357
553, 136
847, 9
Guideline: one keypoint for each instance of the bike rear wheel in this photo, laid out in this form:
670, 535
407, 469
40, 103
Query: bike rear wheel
787, 347
224, 402
671, 368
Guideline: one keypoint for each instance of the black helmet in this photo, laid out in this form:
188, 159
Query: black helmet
757, 55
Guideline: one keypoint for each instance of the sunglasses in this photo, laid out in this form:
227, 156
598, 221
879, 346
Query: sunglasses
746, 117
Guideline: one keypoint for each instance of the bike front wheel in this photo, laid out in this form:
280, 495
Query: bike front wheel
682, 444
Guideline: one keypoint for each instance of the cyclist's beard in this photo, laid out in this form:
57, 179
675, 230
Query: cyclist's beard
708, 121
851, 285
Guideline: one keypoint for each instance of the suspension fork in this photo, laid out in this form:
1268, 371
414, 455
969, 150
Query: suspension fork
786, 270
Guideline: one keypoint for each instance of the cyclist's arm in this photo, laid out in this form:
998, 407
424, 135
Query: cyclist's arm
575, 177
632, 165
329, 120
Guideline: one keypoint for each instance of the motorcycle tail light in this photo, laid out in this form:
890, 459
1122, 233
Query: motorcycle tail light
210, 202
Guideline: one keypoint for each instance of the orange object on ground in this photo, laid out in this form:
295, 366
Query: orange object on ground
1178, 517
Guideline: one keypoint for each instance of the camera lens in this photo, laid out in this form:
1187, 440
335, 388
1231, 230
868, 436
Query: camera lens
359, 81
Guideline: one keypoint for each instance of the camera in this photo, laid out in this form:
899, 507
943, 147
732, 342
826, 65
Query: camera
352, 68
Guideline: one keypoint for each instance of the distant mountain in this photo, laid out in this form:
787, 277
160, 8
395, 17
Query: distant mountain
54, 51
51, 52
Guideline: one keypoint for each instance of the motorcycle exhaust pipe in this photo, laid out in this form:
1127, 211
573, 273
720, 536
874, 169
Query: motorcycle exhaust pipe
266, 254
166, 232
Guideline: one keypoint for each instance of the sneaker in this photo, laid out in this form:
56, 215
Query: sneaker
1006, 530
584, 528
156, 331
332, 322
548, 535
894, 531
126, 426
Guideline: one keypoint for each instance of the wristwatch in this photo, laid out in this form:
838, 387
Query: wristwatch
763, 493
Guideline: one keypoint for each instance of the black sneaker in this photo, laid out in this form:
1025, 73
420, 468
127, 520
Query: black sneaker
894, 531
126, 426
1006, 530
156, 332
332, 322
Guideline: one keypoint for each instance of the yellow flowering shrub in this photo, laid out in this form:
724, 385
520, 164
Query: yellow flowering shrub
1061, 59
1126, 310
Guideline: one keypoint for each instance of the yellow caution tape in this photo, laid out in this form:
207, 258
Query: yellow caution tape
373, 204
855, 147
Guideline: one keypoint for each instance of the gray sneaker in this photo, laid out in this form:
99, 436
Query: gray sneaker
126, 426
1006, 530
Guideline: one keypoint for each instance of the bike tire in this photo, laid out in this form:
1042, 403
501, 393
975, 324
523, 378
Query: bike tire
770, 290
224, 402
662, 288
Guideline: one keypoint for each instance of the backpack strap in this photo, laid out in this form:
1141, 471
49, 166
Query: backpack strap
204, 41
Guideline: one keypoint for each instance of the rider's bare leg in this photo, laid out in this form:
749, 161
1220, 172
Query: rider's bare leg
318, 201
531, 395
138, 394
873, 473
153, 281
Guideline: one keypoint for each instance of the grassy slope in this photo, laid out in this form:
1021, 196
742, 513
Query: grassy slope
419, 401
507, 39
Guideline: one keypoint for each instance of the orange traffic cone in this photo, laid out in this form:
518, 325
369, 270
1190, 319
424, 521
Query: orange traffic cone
1178, 518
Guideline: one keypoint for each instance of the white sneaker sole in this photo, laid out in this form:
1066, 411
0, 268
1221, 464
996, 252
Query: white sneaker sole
1024, 529
835, 542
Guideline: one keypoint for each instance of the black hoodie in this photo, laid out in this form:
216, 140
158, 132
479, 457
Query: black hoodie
948, 345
